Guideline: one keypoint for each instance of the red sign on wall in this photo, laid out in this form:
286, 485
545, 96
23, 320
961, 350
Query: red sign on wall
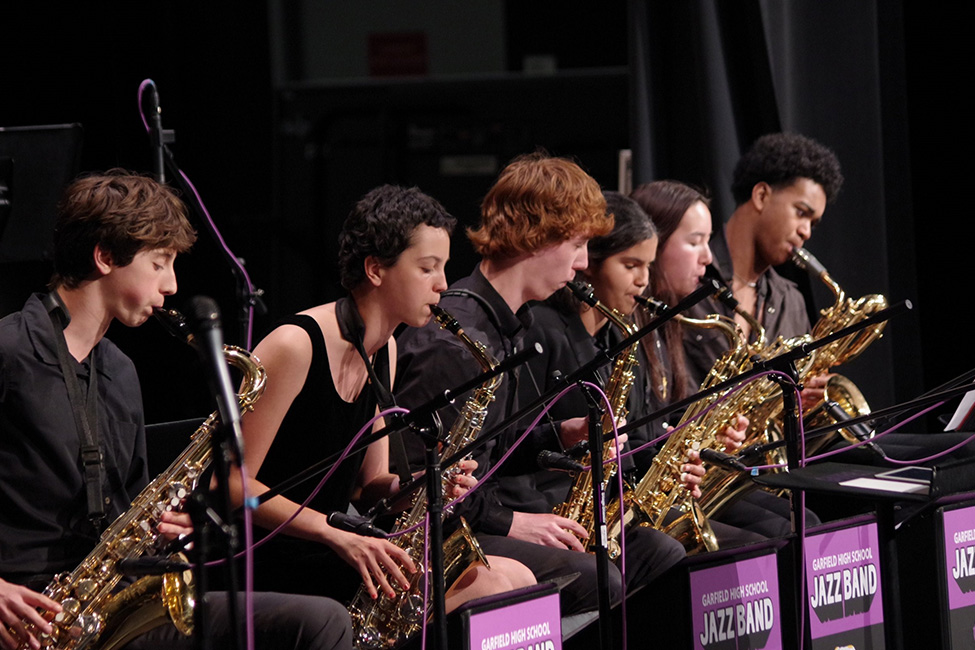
398, 54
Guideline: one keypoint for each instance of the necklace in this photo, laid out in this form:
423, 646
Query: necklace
750, 285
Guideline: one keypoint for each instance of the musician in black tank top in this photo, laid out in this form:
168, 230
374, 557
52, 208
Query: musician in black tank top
393, 249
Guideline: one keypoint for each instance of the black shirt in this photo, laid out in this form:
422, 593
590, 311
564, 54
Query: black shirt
432, 360
43, 519
567, 346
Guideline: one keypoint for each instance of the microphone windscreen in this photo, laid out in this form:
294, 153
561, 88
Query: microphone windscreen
203, 312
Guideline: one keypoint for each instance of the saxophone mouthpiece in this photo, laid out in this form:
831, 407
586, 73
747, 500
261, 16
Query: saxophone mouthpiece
725, 296
807, 261
174, 323
446, 320
652, 305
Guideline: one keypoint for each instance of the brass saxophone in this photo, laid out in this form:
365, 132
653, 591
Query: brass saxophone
840, 391
93, 614
720, 488
578, 505
386, 622
660, 490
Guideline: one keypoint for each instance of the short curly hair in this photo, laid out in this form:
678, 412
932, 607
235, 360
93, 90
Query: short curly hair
122, 213
780, 159
381, 225
538, 200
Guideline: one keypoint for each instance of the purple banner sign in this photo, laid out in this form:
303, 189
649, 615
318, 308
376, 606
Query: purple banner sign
530, 625
959, 535
960, 556
736, 605
843, 585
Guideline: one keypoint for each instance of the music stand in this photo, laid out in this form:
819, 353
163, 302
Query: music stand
36, 163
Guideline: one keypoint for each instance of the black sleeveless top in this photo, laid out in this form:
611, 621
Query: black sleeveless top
318, 424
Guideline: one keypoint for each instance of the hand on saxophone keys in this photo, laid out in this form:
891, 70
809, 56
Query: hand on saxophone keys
462, 479
692, 471
377, 560
734, 434
18, 605
173, 525
548, 530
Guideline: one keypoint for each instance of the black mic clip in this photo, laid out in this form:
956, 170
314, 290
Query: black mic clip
578, 450
355, 524
151, 566
559, 462
721, 459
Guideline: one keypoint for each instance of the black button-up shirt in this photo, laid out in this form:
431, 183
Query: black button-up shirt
781, 311
432, 360
44, 526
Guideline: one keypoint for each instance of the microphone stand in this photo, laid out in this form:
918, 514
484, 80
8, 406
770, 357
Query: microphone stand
203, 517
225, 450
430, 430
249, 297
599, 516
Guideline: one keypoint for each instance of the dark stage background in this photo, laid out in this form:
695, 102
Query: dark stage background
279, 156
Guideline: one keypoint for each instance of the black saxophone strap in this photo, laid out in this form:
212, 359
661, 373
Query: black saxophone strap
486, 306
84, 409
351, 328
496, 322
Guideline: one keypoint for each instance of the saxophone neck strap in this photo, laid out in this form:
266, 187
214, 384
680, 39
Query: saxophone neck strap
352, 330
488, 310
496, 322
84, 408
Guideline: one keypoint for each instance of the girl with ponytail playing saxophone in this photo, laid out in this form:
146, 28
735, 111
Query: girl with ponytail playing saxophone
683, 220
392, 252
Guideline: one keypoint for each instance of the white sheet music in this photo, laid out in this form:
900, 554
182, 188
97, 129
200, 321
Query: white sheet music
963, 413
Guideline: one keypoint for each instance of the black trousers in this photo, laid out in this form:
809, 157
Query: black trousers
759, 512
281, 622
648, 554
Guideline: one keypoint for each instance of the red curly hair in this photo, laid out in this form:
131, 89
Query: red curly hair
539, 200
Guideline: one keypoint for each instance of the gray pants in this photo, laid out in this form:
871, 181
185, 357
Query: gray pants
281, 622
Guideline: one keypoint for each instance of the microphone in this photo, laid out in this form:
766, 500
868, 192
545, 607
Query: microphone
354, 524
156, 137
559, 462
204, 320
860, 431
151, 566
721, 459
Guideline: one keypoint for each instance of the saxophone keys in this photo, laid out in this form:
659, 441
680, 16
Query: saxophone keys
85, 628
85, 589
48, 640
69, 609
411, 608
369, 637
